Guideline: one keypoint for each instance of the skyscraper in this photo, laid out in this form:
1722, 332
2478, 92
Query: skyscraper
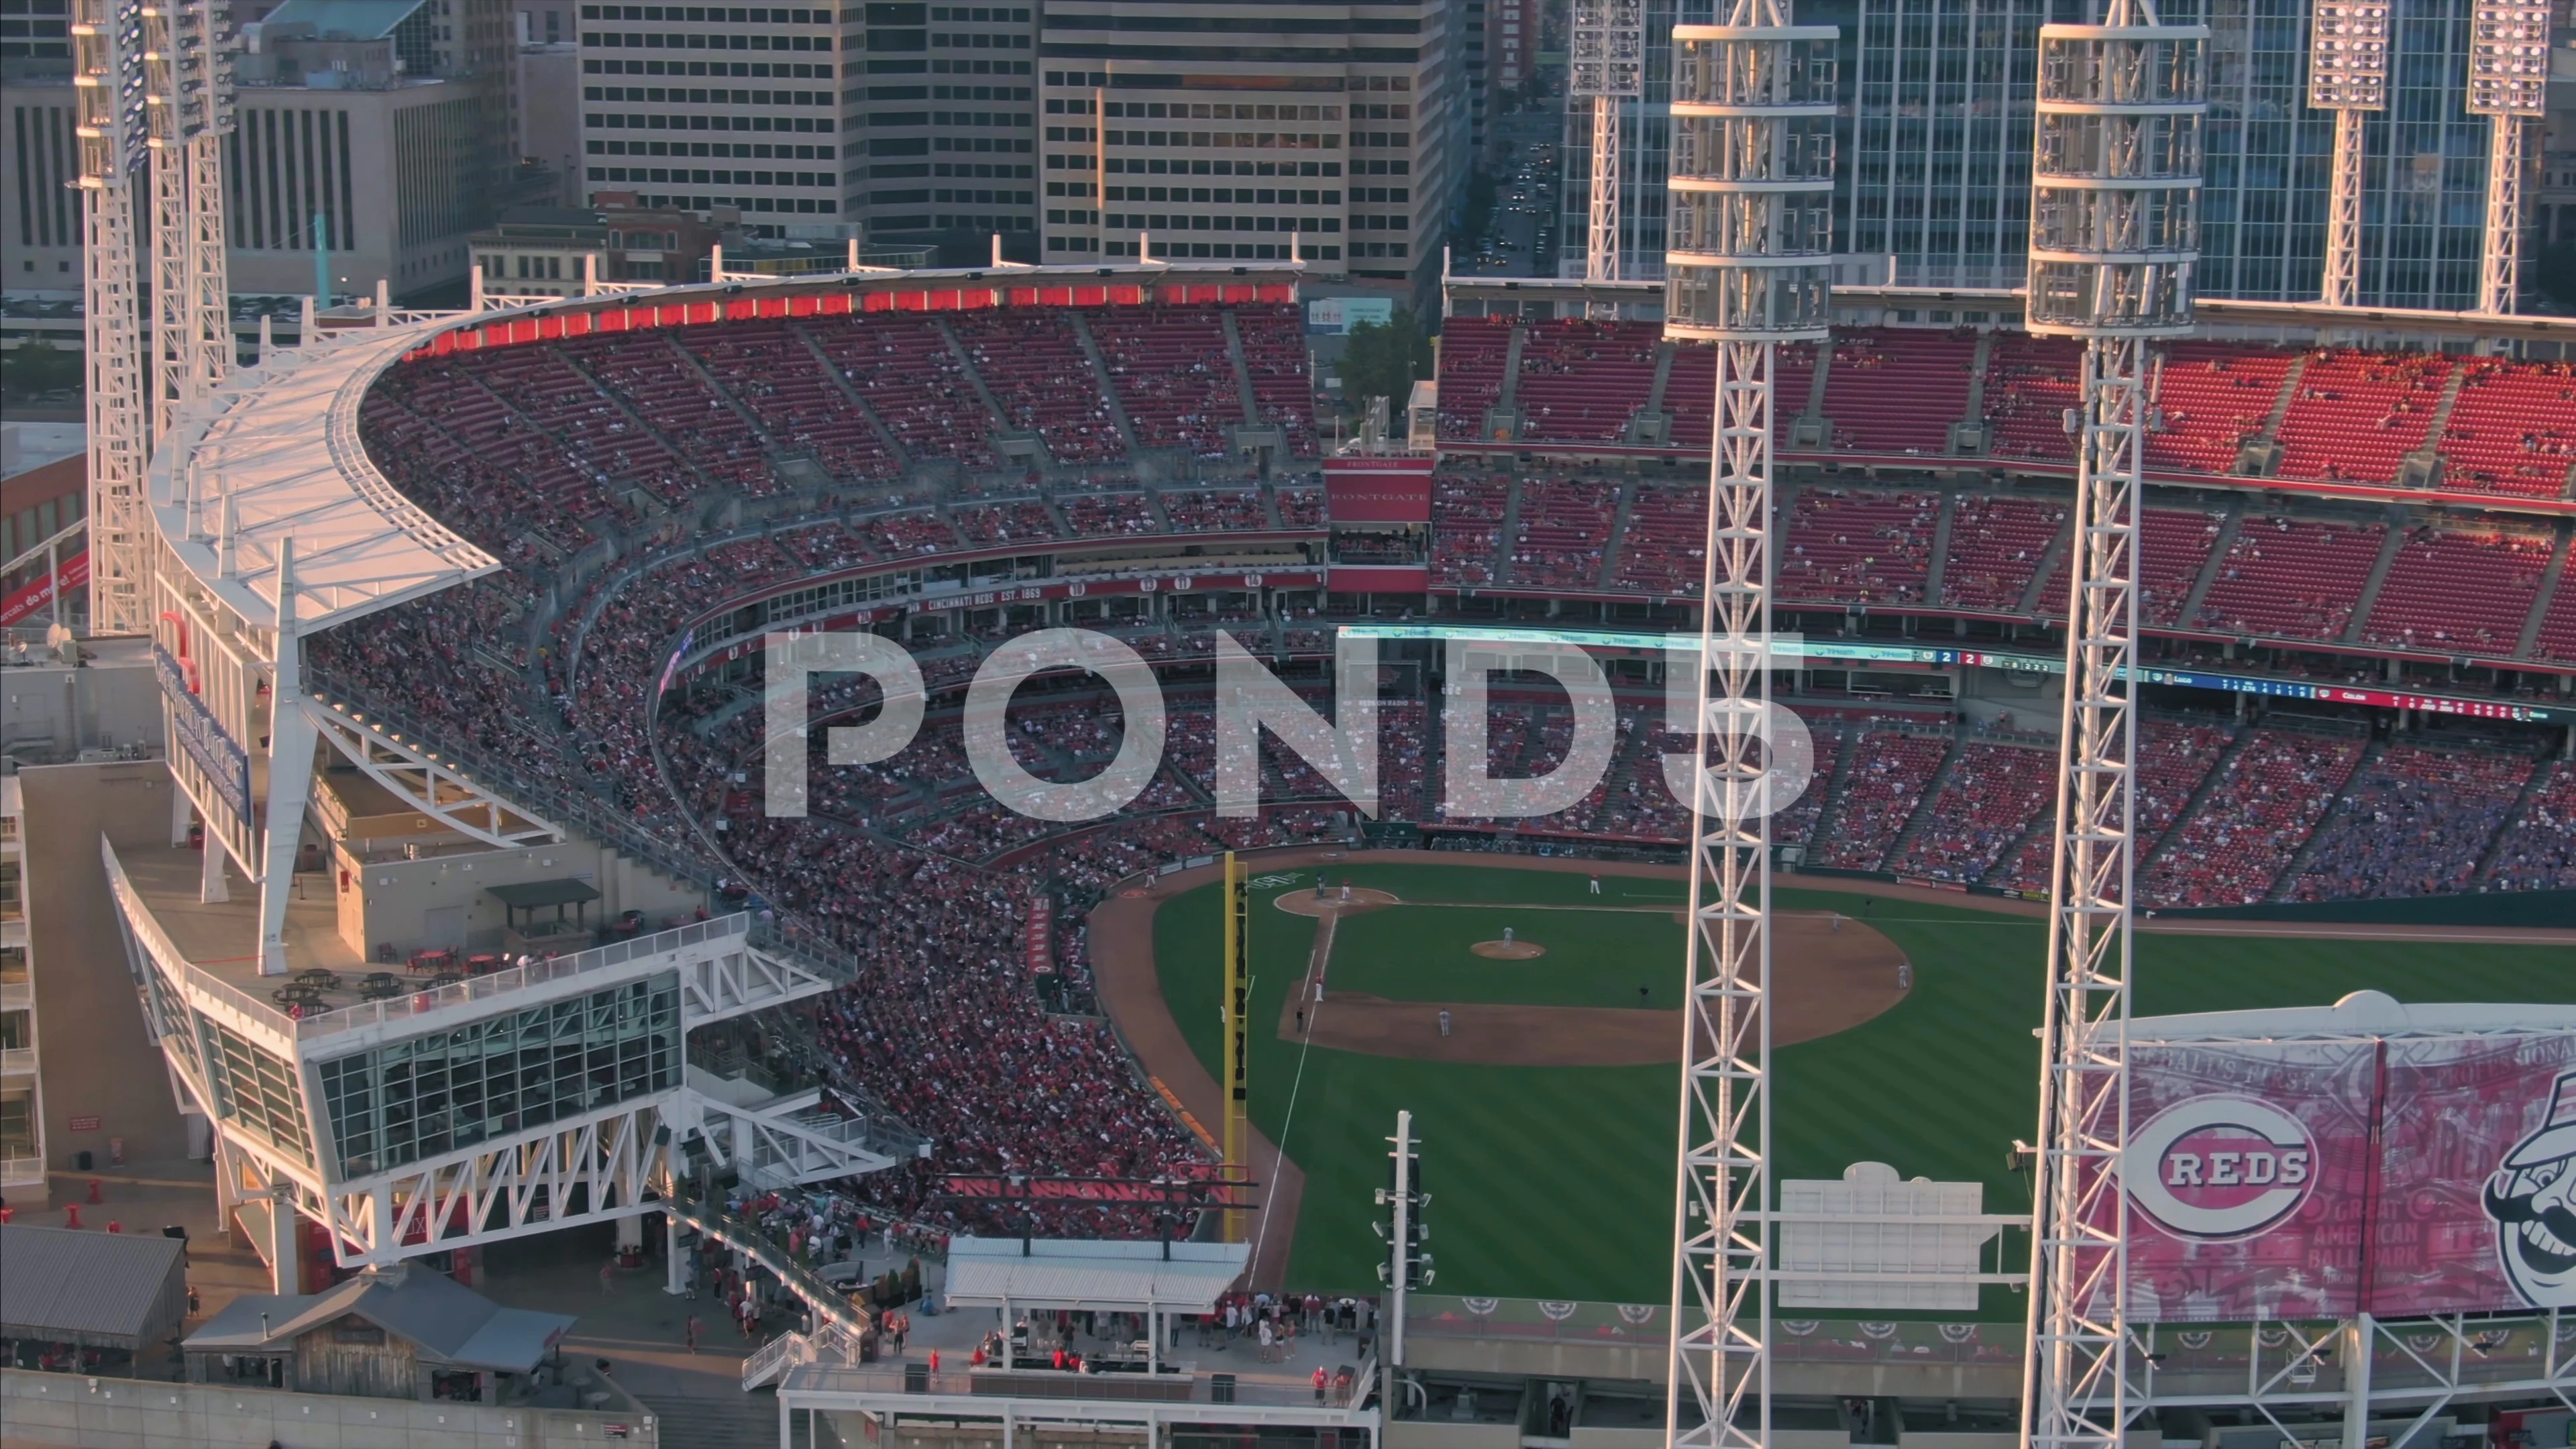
1200, 132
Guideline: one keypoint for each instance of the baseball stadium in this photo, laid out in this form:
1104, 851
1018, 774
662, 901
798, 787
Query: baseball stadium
483, 601
1817, 859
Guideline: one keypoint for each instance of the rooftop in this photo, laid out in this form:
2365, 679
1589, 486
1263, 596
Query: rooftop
342, 19
450, 1323
116, 1290
1124, 1277
218, 941
281, 446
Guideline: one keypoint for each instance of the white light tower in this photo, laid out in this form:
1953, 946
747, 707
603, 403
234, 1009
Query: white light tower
189, 104
2114, 233
2348, 75
1748, 266
1607, 66
109, 88
2508, 84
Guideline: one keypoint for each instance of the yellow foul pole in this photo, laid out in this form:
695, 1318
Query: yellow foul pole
1238, 981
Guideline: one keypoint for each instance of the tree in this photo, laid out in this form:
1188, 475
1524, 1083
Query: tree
37, 367
1384, 359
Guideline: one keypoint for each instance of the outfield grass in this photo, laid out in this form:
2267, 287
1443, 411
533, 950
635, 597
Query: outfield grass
1556, 1182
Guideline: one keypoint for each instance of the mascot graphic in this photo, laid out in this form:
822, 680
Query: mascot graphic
2532, 1198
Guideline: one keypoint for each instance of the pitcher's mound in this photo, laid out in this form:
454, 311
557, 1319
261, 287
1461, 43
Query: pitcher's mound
1509, 950
1330, 903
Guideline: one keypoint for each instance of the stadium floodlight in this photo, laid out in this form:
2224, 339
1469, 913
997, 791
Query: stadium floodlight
2348, 75
108, 91
2114, 234
1748, 267
2508, 84
1606, 63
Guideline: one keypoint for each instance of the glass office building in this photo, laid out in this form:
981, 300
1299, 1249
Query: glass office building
1935, 160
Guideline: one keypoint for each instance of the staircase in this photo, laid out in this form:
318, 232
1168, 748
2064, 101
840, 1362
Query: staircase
859, 404
1511, 525
1926, 808
2377, 579
1508, 401
1811, 428
2552, 579
2034, 600
2209, 785
1242, 368
1968, 434
750, 419
1002, 425
2259, 455
2282, 884
610, 395
2211, 566
1940, 549
1108, 386
2541, 775
1627, 507
1829, 819
1652, 426
2423, 467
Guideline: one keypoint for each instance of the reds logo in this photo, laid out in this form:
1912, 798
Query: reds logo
2220, 1168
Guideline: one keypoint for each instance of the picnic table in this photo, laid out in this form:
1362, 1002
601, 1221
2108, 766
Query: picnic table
320, 978
446, 978
483, 963
380, 985
433, 961
297, 993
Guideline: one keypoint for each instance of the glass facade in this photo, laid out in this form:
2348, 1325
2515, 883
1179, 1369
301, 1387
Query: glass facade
428, 1095
256, 1090
1935, 159
1938, 167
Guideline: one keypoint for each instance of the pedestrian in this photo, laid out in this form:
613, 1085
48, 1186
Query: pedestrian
1596, 890
1321, 1378
1444, 1023
1346, 892
1904, 975
607, 1277
689, 1332
1838, 922
1268, 1340
934, 1360
1301, 1021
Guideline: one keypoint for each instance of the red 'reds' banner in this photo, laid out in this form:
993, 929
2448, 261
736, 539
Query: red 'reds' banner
1377, 490
2255, 1190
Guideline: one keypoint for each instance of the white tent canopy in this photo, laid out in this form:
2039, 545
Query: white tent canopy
1109, 1277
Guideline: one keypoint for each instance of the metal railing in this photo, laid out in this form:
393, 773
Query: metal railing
21, 1171
521, 978
17, 1061
1189, 1386
831, 1305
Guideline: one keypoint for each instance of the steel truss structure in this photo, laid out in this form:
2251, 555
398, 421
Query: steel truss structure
154, 97
2508, 84
1608, 67
423, 782
108, 90
2114, 234
2348, 75
1748, 268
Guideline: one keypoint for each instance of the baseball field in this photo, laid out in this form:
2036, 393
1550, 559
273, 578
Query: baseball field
1547, 1109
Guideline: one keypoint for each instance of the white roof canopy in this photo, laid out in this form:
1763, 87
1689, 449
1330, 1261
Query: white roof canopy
1113, 1277
280, 444
2362, 1014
